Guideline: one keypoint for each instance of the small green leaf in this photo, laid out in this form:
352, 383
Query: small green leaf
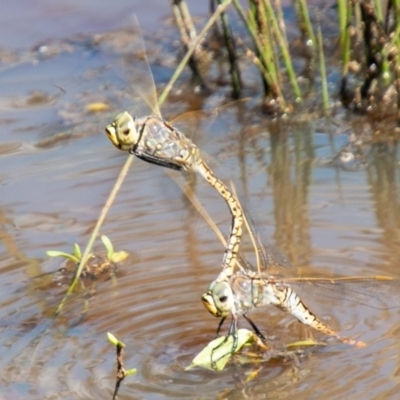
77, 251
119, 256
217, 353
130, 371
56, 253
108, 245
113, 340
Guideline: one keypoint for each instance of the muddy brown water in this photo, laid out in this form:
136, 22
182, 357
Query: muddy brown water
332, 218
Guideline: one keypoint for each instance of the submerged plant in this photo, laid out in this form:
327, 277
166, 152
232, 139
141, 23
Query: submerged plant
121, 371
76, 256
94, 265
217, 353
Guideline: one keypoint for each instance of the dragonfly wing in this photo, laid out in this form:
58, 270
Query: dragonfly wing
205, 126
375, 292
134, 69
274, 258
269, 259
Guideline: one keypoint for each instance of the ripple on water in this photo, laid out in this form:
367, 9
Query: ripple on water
52, 198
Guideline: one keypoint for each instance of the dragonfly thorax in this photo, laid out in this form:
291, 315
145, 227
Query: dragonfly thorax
123, 131
219, 299
250, 292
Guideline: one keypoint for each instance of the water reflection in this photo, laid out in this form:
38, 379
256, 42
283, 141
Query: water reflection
383, 178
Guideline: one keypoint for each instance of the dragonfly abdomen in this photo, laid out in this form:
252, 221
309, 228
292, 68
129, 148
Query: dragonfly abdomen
289, 300
154, 140
232, 248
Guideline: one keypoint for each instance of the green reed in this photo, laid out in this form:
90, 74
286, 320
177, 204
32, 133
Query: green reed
369, 41
324, 81
345, 14
368, 44
233, 59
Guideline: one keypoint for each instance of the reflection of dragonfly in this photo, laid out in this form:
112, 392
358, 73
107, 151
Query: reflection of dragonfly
250, 288
156, 141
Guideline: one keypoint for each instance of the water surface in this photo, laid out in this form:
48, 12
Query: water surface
331, 218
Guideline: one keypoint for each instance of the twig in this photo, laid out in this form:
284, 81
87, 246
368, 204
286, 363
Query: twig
233, 61
192, 48
188, 33
120, 369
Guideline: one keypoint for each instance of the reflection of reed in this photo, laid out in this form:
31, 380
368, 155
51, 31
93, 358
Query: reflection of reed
383, 179
33, 265
290, 173
288, 168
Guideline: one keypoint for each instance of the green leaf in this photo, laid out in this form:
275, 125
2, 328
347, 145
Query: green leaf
108, 245
113, 340
77, 251
130, 371
119, 256
56, 253
218, 352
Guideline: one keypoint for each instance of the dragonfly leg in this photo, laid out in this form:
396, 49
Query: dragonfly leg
220, 325
232, 332
255, 328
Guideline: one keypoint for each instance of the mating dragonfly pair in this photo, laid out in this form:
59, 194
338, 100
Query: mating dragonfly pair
156, 141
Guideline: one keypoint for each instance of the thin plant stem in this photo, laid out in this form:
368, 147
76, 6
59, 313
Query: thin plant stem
396, 61
285, 52
343, 31
179, 22
324, 82
345, 14
267, 39
303, 8
187, 19
386, 75
378, 11
263, 59
96, 229
358, 20
233, 61
280, 19
187, 31
192, 48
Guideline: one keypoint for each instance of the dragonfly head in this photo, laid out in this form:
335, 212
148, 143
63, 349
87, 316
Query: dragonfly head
122, 131
219, 300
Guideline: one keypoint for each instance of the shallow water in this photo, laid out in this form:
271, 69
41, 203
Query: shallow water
332, 218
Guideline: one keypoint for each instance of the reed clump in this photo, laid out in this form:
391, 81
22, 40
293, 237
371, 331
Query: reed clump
295, 64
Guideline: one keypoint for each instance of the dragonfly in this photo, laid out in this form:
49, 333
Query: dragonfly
251, 288
154, 140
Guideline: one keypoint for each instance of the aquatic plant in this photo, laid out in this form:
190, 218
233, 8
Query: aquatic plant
76, 256
368, 41
121, 371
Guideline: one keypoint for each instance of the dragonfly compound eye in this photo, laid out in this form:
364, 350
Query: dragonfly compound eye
122, 132
222, 297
